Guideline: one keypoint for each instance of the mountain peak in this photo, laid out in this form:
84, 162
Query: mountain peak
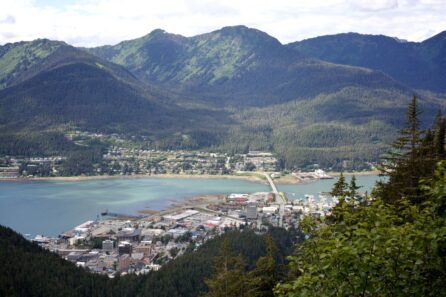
241, 35
157, 32
436, 38
242, 30
160, 34
236, 28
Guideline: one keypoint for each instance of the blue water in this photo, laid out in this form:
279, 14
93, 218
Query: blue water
52, 207
314, 188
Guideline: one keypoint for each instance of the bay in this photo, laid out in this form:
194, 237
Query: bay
52, 207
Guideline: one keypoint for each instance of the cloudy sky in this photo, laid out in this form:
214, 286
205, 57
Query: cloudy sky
98, 22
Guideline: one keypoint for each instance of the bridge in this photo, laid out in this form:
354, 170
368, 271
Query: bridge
279, 198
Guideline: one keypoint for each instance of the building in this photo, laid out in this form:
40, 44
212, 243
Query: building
144, 247
9, 172
270, 209
124, 262
107, 245
125, 247
129, 234
251, 211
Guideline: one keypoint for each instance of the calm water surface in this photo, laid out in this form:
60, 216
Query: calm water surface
51, 207
298, 191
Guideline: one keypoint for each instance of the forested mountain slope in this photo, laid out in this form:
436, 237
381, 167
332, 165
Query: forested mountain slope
16, 58
419, 65
235, 65
71, 89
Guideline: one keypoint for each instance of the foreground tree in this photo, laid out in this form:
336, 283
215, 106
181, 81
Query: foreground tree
229, 277
394, 245
262, 279
377, 250
413, 157
340, 188
353, 188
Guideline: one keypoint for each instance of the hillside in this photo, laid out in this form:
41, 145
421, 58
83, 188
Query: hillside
235, 65
16, 58
419, 65
278, 99
71, 89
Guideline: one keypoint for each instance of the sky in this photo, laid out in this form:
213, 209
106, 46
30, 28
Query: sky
98, 22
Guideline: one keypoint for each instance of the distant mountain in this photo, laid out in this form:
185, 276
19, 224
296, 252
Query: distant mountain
16, 58
235, 65
71, 89
419, 65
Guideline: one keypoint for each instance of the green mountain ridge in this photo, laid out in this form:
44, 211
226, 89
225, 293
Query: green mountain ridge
16, 58
235, 65
419, 65
71, 89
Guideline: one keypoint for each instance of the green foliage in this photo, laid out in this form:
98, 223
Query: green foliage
262, 279
229, 278
81, 163
353, 188
412, 158
34, 144
377, 250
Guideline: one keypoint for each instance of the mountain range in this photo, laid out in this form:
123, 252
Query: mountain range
419, 65
322, 100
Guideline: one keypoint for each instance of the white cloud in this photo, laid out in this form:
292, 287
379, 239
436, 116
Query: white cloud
375, 5
97, 22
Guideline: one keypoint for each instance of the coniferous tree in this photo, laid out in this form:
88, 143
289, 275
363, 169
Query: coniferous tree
340, 188
403, 163
262, 279
439, 138
229, 276
353, 188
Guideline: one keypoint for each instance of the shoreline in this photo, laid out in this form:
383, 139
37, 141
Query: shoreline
355, 173
253, 178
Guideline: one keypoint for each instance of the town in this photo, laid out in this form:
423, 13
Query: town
122, 156
120, 244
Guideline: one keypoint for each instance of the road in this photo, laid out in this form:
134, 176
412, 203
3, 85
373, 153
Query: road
279, 198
